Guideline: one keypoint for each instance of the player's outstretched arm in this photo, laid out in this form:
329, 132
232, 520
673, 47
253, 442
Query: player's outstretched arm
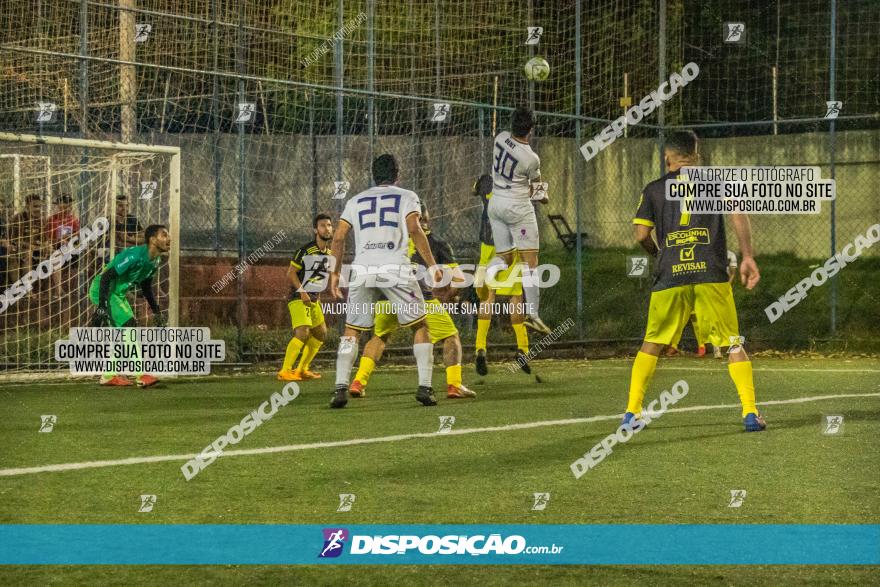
337, 250
643, 235
748, 269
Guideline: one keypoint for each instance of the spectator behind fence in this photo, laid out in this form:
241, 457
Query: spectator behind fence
128, 230
62, 225
28, 238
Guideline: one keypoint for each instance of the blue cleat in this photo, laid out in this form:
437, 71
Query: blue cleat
628, 419
754, 423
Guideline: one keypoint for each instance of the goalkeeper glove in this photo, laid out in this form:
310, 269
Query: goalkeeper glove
100, 318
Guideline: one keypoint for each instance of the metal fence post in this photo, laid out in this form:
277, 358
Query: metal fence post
240, 282
339, 81
661, 77
371, 80
84, 67
832, 67
579, 168
215, 139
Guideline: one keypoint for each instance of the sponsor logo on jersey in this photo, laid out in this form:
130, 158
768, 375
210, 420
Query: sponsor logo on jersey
691, 236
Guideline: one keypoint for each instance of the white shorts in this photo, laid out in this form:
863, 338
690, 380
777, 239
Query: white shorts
406, 300
514, 225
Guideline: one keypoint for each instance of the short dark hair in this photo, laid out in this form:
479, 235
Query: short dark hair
65, 199
683, 142
385, 169
152, 230
522, 121
319, 218
121, 198
33, 198
483, 185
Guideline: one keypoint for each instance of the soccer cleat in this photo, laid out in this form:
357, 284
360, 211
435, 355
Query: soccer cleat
425, 396
628, 419
307, 375
357, 389
536, 324
288, 375
459, 392
117, 381
701, 350
524, 364
482, 364
717, 351
754, 422
340, 397
146, 381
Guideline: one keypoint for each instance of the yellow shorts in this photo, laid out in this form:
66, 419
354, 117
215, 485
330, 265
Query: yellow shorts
440, 324
487, 253
712, 303
303, 315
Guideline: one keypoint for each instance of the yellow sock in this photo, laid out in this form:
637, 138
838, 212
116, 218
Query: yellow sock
293, 348
453, 375
522, 337
312, 347
365, 369
642, 372
741, 373
482, 332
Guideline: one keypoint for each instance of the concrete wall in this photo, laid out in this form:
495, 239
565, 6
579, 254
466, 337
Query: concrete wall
442, 170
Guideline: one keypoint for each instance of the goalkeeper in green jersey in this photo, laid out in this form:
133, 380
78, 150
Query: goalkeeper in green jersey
130, 268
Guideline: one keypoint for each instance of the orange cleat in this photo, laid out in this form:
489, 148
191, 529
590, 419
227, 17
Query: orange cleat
288, 375
117, 381
357, 389
459, 392
146, 380
306, 375
701, 351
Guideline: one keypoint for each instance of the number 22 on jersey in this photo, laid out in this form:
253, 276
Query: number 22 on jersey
379, 210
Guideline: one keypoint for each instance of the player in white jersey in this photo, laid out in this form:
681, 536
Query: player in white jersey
517, 185
383, 219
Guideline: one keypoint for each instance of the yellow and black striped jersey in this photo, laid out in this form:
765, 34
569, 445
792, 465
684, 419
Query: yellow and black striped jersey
312, 264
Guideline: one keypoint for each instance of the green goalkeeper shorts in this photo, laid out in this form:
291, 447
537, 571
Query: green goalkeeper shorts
120, 309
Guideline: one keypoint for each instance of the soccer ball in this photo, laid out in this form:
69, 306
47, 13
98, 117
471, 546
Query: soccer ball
537, 69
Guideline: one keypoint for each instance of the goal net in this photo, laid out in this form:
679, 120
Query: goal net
67, 206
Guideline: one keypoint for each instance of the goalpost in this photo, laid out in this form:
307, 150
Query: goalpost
72, 186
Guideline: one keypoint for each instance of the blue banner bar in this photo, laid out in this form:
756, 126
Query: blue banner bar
689, 544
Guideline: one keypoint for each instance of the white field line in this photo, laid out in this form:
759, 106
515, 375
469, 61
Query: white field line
395, 438
597, 366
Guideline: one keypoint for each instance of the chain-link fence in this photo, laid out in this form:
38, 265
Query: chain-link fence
274, 104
